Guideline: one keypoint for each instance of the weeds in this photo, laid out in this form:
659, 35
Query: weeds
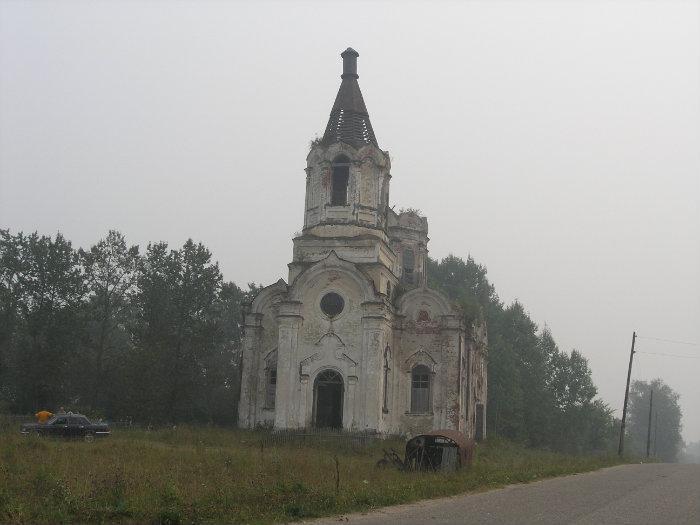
194, 475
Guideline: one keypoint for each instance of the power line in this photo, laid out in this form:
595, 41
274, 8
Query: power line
669, 355
668, 340
620, 449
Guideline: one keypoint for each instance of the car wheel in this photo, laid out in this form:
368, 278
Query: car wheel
89, 437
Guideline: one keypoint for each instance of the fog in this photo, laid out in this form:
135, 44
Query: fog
558, 143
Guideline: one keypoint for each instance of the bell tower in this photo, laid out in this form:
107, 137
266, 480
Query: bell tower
347, 185
347, 175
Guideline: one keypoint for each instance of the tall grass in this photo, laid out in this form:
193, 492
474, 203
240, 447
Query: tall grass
200, 475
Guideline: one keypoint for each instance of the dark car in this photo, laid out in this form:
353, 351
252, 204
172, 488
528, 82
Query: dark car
67, 425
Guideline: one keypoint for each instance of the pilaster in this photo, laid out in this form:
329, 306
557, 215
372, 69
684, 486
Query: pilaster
250, 370
289, 412
375, 331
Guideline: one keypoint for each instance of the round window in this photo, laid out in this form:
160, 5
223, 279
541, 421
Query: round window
332, 304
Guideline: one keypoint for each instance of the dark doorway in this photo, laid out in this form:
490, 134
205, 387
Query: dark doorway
328, 400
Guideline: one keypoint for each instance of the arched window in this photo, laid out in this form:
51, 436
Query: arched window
387, 354
271, 380
270, 387
340, 176
420, 390
409, 264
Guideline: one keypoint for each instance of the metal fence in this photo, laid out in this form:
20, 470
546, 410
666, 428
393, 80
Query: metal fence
124, 423
10, 422
319, 437
323, 438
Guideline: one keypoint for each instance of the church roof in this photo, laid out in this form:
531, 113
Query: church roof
349, 120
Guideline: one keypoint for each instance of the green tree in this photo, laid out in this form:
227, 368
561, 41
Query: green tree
465, 283
178, 331
221, 366
110, 332
48, 287
666, 408
11, 297
520, 333
581, 422
110, 273
536, 393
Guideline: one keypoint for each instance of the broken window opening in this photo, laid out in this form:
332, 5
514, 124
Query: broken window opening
387, 350
339, 181
271, 385
420, 390
409, 264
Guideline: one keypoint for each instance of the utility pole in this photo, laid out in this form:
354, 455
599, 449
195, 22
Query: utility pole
621, 448
656, 428
651, 405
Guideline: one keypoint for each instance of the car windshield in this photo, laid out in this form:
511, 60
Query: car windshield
59, 421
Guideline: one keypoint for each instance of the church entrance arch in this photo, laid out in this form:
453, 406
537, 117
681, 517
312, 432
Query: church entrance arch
328, 400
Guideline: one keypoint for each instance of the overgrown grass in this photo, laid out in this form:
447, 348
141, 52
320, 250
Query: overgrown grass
198, 475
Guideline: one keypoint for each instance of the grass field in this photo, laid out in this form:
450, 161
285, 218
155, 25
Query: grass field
209, 475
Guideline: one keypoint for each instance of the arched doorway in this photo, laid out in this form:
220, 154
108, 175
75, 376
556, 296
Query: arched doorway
328, 400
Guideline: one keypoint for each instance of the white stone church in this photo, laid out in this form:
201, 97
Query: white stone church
355, 338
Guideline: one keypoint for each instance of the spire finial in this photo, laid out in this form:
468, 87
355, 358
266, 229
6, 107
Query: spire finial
349, 63
349, 120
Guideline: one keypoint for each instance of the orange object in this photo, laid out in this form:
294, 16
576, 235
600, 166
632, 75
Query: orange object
43, 416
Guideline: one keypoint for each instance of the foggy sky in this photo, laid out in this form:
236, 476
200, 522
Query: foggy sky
558, 143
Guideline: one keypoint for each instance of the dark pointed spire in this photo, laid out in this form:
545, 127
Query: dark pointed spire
349, 120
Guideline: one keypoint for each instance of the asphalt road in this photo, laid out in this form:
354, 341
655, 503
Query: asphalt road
632, 494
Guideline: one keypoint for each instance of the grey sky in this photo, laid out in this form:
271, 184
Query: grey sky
556, 142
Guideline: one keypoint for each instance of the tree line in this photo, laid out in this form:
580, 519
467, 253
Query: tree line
663, 432
155, 336
539, 394
115, 332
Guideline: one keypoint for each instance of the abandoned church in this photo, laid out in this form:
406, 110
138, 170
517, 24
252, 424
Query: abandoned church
355, 338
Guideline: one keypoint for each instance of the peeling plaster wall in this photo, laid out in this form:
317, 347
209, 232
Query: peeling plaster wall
368, 188
260, 339
428, 334
409, 230
326, 343
373, 344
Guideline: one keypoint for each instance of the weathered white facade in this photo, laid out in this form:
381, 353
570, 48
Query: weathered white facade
355, 338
